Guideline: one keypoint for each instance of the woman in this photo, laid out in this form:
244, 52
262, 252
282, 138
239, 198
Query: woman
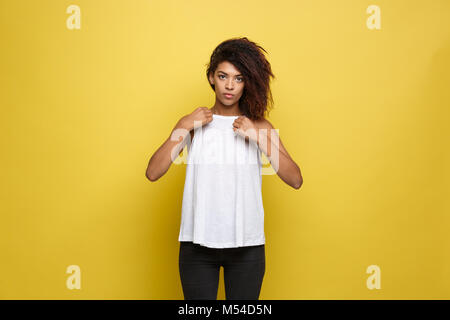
222, 219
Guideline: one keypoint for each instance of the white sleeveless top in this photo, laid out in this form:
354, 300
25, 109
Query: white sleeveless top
222, 201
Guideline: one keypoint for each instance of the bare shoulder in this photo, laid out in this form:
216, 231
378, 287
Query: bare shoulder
264, 124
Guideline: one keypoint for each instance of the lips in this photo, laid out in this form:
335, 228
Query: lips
228, 95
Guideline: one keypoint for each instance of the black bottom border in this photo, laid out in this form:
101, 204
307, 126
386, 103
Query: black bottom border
227, 309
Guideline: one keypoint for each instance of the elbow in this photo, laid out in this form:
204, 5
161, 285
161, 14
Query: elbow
298, 184
150, 176
299, 180
150, 171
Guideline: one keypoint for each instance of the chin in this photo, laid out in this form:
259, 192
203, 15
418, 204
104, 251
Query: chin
228, 102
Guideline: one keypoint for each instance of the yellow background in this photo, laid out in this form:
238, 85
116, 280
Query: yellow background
364, 113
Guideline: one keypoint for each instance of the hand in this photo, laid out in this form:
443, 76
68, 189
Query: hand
246, 128
201, 114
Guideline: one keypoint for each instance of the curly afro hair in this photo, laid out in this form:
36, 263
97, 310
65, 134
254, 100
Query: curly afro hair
248, 57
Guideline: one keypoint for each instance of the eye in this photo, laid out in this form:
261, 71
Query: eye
221, 75
240, 79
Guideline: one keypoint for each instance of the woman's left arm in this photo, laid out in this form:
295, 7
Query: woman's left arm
270, 143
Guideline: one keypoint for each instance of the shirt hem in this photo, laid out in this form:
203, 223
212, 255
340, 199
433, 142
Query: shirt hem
216, 245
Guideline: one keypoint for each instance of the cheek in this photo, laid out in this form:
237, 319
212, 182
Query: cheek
241, 91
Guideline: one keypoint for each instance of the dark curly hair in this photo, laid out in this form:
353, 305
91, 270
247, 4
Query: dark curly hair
249, 59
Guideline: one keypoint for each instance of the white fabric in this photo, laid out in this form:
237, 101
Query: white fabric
222, 200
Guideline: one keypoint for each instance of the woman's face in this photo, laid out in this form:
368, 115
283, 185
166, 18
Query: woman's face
227, 80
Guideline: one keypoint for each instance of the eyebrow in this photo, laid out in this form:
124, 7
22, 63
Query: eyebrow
227, 73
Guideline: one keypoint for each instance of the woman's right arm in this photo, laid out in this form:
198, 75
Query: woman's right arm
163, 157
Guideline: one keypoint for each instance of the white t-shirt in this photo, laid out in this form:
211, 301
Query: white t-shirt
222, 200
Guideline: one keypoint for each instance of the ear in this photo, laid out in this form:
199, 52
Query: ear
211, 79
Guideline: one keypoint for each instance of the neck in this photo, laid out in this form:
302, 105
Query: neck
223, 110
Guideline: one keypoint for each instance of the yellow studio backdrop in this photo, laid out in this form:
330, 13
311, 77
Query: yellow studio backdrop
361, 103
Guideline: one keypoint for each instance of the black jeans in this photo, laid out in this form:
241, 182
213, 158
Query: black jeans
199, 268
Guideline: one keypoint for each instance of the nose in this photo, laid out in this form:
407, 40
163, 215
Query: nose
229, 84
